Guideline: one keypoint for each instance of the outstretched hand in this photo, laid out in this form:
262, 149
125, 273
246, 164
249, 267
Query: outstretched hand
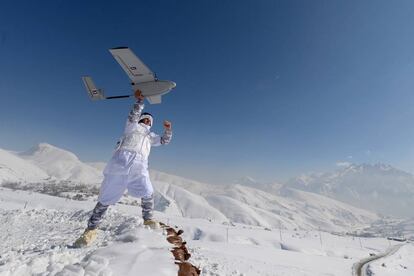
138, 95
167, 125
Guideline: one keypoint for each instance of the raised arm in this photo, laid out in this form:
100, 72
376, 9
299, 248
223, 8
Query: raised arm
136, 111
165, 139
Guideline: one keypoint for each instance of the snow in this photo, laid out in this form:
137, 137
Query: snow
188, 204
398, 263
97, 165
286, 208
14, 169
395, 228
256, 251
62, 164
36, 229
230, 229
290, 208
35, 237
378, 187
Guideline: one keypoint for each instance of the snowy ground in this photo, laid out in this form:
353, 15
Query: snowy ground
35, 239
255, 251
398, 263
36, 229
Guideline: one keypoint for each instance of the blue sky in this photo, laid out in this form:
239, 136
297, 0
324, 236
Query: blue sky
269, 89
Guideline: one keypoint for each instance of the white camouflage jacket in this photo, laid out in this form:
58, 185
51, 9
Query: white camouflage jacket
138, 137
136, 143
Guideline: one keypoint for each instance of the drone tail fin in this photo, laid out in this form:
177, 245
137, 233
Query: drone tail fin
93, 92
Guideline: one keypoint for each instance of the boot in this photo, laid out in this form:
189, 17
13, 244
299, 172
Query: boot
153, 224
87, 238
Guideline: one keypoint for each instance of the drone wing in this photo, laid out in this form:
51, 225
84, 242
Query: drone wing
136, 70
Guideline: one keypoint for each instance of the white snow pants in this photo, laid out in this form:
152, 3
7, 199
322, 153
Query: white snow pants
125, 172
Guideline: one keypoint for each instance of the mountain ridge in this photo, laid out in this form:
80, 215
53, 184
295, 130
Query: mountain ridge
377, 187
223, 203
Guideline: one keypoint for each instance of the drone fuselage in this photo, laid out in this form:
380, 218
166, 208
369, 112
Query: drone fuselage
154, 88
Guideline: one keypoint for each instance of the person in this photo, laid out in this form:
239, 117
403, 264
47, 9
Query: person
128, 169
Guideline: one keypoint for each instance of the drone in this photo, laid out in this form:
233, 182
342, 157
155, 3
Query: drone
142, 78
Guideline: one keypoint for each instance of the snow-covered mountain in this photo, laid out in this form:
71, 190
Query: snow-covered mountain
248, 181
380, 188
242, 204
14, 169
187, 198
62, 164
97, 165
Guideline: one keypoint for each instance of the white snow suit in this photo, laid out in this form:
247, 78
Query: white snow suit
128, 167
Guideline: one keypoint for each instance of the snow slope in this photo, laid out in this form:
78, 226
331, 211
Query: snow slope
62, 164
395, 228
220, 203
97, 165
37, 227
399, 263
271, 187
14, 169
291, 209
186, 204
379, 188
230, 229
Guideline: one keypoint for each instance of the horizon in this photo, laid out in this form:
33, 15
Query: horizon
339, 167
264, 89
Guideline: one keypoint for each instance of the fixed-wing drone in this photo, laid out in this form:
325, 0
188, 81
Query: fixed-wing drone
142, 78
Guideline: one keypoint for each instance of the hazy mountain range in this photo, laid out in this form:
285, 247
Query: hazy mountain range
271, 206
379, 187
